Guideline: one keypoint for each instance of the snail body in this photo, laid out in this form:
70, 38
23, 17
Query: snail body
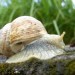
26, 37
42, 49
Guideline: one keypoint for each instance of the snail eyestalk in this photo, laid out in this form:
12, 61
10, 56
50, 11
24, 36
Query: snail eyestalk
62, 35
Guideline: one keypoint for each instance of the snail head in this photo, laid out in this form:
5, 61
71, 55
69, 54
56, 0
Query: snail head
57, 40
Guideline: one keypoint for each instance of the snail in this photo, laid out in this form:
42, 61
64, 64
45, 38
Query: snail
26, 37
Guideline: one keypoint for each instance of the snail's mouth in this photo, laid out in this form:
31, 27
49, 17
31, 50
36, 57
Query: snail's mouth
40, 49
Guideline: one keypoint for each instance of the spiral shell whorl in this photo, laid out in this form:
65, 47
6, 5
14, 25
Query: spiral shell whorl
4, 40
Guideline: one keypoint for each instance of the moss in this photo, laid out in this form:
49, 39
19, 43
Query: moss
70, 68
59, 65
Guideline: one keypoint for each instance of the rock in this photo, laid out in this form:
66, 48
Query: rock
60, 65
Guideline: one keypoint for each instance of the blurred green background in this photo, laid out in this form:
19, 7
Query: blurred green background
56, 15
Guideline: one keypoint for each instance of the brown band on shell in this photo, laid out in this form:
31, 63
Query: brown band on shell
25, 29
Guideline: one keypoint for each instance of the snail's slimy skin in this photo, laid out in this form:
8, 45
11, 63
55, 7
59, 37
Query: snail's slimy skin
42, 49
57, 40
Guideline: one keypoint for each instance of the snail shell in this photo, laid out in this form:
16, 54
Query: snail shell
19, 32
26, 37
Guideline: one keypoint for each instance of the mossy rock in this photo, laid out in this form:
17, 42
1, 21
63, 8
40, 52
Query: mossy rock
59, 65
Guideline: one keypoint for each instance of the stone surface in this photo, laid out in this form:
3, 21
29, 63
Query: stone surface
59, 65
